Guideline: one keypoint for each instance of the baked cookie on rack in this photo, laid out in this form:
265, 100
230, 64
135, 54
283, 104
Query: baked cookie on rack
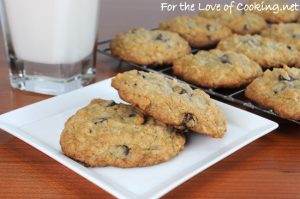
287, 33
200, 32
108, 134
149, 47
171, 102
275, 16
239, 22
278, 90
217, 69
266, 52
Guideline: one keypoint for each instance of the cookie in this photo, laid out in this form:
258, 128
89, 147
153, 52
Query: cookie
279, 90
108, 134
171, 102
217, 69
266, 52
239, 22
198, 31
287, 33
274, 16
149, 47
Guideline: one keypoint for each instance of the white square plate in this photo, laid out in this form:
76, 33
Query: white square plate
40, 125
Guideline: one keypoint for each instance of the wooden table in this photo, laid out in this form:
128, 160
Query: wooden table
267, 168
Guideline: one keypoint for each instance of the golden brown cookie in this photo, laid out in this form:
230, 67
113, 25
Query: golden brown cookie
239, 22
149, 47
108, 134
287, 33
171, 102
200, 32
266, 52
279, 90
217, 69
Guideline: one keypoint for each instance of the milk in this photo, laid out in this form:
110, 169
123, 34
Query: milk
52, 31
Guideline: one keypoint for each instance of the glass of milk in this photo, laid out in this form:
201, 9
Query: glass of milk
50, 44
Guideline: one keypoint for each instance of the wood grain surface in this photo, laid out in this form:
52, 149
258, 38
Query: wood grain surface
266, 168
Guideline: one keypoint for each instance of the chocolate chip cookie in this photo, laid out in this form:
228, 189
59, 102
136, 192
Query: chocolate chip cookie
108, 134
266, 52
200, 32
287, 33
217, 69
274, 16
239, 22
279, 90
171, 102
149, 47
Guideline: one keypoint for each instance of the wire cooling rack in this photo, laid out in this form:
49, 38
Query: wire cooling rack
233, 96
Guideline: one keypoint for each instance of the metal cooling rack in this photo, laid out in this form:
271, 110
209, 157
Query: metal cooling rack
233, 96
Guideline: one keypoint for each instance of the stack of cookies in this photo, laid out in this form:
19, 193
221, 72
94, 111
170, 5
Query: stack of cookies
149, 132
232, 50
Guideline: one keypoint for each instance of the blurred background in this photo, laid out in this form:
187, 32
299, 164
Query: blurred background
140, 13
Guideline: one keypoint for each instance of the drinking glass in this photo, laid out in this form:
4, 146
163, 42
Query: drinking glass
50, 44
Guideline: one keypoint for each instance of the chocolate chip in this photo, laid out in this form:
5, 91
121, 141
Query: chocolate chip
189, 120
245, 27
139, 73
243, 10
296, 36
132, 114
112, 103
289, 47
208, 27
179, 90
125, 149
289, 78
100, 120
134, 30
146, 119
225, 59
161, 37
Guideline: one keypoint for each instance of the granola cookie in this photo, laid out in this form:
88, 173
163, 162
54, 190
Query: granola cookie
108, 134
239, 22
200, 32
287, 33
171, 102
279, 90
266, 52
217, 69
149, 47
